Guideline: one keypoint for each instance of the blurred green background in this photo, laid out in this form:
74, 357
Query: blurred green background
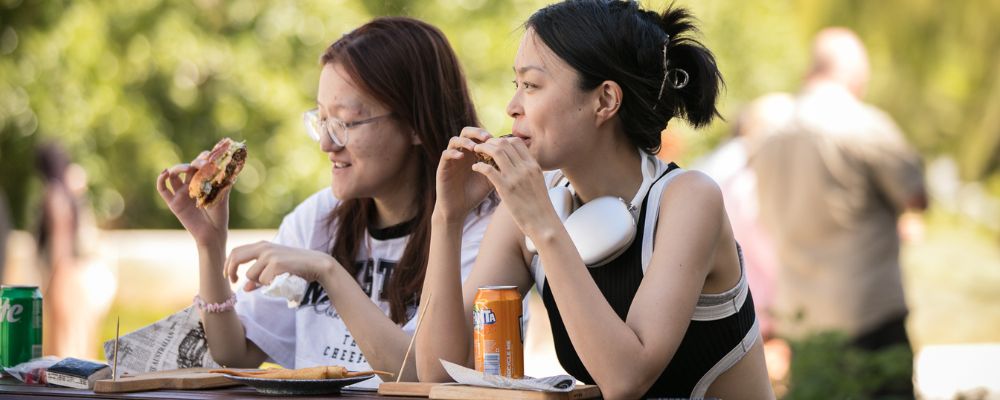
133, 86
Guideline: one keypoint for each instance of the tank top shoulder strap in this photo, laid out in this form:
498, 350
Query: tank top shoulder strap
653, 212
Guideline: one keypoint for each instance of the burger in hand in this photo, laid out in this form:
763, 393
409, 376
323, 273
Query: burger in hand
485, 158
222, 164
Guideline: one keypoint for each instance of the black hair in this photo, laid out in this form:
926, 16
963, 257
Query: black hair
618, 41
52, 161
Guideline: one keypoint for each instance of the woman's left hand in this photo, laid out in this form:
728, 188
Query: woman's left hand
274, 259
519, 182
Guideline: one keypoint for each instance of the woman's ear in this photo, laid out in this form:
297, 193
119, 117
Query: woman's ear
415, 139
609, 98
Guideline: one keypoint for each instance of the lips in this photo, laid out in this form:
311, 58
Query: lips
525, 139
521, 135
340, 165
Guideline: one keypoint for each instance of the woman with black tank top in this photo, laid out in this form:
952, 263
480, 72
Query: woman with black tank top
665, 313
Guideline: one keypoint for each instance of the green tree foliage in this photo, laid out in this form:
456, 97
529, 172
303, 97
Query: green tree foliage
131, 87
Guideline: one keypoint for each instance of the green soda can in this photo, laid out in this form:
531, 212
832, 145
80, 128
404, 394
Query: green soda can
20, 324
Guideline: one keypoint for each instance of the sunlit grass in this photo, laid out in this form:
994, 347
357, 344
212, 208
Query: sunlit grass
951, 279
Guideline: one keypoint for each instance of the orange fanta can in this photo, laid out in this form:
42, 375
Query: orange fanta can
496, 317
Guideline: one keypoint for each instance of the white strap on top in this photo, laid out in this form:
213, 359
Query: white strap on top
710, 306
652, 213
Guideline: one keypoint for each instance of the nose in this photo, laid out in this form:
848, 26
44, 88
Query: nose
514, 107
327, 144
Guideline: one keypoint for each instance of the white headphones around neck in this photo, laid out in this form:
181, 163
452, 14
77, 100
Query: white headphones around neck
603, 228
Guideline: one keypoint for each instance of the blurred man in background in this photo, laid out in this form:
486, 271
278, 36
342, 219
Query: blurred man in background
832, 187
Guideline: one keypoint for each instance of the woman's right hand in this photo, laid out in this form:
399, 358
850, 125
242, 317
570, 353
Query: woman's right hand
209, 226
459, 188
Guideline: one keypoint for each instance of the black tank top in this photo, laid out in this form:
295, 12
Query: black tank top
704, 345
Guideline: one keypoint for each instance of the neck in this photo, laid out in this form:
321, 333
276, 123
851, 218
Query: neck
618, 173
399, 203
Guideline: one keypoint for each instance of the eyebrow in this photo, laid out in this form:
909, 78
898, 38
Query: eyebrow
527, 68
338, 106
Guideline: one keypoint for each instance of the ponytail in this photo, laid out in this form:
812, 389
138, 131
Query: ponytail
692, 62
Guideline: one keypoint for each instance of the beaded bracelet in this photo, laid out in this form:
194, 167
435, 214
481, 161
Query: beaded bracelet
227, 305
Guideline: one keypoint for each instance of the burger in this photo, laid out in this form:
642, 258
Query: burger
485, 158
223, 163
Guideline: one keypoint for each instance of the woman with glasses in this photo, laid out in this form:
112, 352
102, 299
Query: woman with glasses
391, 94
634, 258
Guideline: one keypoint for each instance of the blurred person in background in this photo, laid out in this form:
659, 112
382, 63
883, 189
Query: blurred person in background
832, 188
78, 286
729, 165
391, 94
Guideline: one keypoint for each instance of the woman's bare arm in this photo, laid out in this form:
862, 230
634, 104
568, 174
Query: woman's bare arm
446, 331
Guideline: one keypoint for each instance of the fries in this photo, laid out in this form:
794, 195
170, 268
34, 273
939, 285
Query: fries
312, 373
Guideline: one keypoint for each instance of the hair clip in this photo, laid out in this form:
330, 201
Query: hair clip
678, 78
666, 66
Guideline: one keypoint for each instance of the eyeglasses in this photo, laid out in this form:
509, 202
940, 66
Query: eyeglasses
336, 129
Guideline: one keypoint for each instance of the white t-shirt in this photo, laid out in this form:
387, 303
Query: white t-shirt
314, 334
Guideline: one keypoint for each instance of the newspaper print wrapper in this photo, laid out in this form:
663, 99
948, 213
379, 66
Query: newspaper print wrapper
466, 376
289, 287
177, 341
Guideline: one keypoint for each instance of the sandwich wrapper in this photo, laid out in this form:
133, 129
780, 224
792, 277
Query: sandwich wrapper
289, 287
466, 376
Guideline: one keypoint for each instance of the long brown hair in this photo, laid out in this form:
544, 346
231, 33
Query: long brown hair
408, 66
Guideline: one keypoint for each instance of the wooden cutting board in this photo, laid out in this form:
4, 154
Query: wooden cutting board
179, 379
411, 389
475, 392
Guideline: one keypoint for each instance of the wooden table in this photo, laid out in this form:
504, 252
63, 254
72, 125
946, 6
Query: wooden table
11, 388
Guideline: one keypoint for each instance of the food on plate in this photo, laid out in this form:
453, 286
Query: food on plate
323, 372
222, 165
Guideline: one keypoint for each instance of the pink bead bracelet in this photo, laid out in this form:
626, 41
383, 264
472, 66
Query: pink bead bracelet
227, 305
